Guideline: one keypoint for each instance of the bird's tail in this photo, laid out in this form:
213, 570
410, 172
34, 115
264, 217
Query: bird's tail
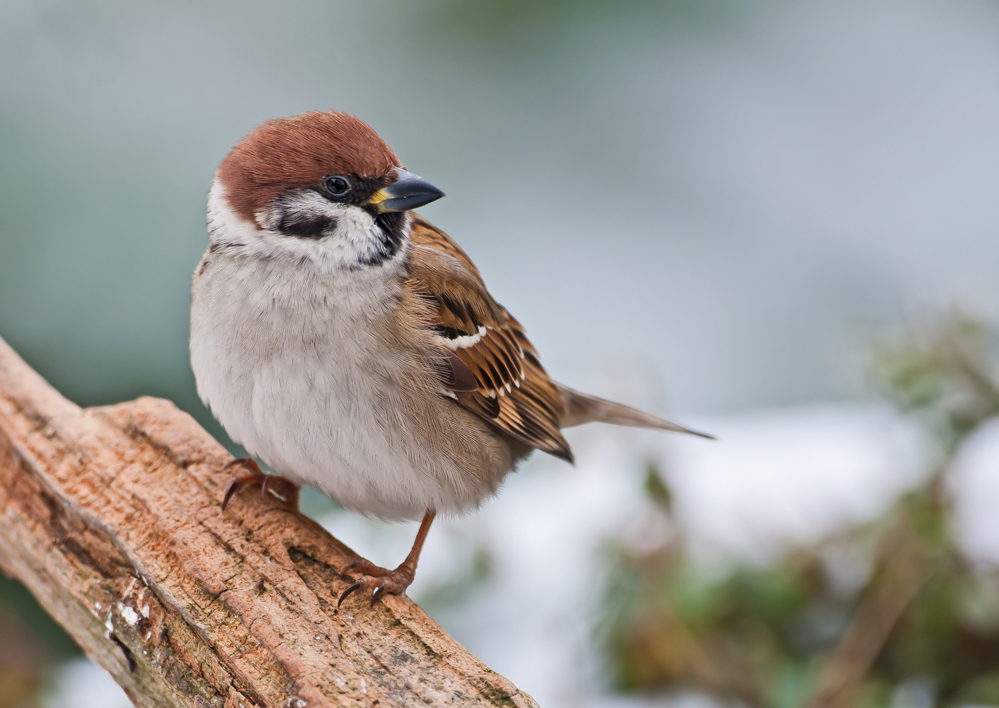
582, 408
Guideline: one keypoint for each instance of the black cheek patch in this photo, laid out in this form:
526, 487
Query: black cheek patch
306, 225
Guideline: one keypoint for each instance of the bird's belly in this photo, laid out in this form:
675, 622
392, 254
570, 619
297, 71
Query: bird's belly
333, 431
322, 409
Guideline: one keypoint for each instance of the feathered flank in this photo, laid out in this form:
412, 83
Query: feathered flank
511, 389
295, 152
582, 408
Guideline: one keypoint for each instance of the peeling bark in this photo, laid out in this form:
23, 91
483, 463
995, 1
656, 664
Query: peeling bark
111, 517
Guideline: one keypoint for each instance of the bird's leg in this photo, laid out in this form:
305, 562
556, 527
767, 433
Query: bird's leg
388, 582
249, 473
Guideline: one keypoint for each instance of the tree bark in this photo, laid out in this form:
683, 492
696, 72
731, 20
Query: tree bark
111, 517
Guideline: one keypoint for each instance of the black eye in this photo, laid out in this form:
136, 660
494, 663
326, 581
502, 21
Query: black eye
336, 186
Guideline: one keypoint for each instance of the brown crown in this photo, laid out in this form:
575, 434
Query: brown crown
298, 152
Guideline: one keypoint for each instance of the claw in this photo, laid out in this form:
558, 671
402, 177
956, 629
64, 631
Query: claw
249, 473
379, 591
230, 490
346, 593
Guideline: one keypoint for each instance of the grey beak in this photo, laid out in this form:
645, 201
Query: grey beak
409, 191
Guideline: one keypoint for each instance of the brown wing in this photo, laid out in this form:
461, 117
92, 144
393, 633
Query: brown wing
508, 386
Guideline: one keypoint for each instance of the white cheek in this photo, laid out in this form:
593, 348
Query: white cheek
225, 227
351, 221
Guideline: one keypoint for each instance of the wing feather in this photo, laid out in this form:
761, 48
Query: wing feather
512, 390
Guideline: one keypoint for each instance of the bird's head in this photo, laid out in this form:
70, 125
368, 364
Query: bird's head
321, 183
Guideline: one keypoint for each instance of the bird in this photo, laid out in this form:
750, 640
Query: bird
352, 346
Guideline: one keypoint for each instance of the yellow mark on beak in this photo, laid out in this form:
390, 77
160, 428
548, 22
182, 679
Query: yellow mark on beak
379, 197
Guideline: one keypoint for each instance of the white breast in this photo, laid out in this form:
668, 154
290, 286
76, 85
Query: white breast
298, 384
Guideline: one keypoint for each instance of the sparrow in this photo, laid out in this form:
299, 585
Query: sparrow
352, 346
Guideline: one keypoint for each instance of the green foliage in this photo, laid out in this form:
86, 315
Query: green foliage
943, 371
780, 636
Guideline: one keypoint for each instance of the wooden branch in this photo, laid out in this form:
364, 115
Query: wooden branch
111, 517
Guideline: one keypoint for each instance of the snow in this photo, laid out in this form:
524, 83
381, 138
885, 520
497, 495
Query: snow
128, 614
83, 684
975, 486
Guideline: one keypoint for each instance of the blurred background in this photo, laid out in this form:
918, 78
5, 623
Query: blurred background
776, 221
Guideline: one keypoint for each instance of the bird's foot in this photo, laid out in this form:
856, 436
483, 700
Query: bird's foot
380, 580
249, 473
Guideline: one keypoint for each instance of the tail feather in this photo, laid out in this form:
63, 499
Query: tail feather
582, 408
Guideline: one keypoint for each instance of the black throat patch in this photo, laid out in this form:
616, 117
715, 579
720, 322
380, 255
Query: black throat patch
393, 229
